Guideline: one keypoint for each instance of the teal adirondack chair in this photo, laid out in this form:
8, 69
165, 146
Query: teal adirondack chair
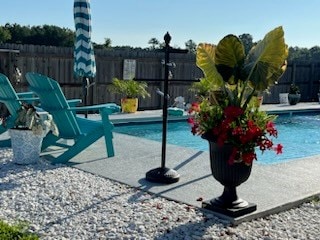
83, 131
12, 101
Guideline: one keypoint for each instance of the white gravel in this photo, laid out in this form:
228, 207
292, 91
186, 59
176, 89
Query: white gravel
61, 202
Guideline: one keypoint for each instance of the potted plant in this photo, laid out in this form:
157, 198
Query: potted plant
227, 116
131, 90
27, 133
294, 94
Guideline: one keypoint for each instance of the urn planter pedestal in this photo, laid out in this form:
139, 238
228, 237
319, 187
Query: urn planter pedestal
230, 176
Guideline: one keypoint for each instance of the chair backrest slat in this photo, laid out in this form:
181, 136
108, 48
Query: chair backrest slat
8, 96
53, 101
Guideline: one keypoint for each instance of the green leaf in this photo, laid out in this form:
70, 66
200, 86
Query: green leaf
229, 51
129, 88
229, 58
266, 61
206, 62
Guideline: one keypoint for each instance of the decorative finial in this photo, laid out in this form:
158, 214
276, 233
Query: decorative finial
167, 38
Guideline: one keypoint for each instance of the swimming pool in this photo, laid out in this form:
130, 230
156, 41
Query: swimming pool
298, 133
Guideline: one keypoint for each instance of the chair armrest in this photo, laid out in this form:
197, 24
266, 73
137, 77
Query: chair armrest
74, 102
112, 107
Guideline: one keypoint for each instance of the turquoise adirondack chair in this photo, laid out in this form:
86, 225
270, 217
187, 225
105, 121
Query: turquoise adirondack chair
83, 131
12, 101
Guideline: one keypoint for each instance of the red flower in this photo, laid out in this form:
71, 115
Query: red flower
244, 130
195, 107
244, 138
249, 157
265, 144
225, 125
268, 143
254, 130
194, 129
262, 147
237, 131
278, 148
232, 112
191, 120
270, 128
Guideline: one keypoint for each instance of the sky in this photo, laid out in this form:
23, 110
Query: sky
135, 22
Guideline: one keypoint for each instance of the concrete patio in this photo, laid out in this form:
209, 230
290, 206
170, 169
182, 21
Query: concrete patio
273, 188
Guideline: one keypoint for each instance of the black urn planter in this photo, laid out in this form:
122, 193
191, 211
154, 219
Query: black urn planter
230, 176
294, 98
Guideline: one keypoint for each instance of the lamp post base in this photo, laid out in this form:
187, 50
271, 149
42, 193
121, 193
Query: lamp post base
162, 175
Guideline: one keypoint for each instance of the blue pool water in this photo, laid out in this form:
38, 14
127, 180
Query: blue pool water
299, 135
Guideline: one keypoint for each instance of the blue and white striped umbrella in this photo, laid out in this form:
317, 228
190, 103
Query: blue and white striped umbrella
84, 60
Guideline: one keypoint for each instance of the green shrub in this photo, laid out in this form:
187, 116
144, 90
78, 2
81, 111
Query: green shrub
15, 232
294, 89
129, 88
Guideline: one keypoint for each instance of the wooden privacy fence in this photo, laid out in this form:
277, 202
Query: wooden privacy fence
144, 65
306, 75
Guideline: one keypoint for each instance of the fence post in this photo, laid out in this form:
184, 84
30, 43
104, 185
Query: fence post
311, 79
293, 73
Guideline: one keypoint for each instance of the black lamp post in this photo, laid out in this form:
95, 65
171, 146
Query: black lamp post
164, 174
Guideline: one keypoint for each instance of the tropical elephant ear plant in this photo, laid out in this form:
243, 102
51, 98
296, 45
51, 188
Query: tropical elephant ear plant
226, 112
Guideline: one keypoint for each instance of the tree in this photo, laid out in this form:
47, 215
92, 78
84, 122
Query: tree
247, 42
154, 43
107, 43
315, 53
191, 46
4, 35
51, 36
19, 34
40, 35
298, 54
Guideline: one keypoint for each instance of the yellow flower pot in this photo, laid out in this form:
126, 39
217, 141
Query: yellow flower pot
129, 105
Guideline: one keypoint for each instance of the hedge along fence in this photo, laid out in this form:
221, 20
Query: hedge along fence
57, 62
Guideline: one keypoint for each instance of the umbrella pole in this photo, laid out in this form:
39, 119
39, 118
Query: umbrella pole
85, 91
